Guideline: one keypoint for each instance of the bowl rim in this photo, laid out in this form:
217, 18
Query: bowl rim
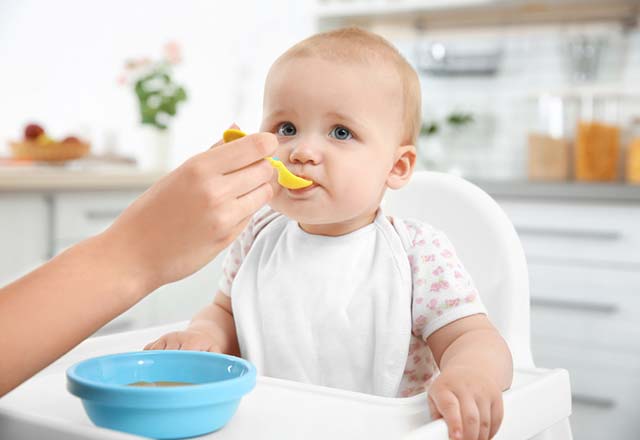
198, 394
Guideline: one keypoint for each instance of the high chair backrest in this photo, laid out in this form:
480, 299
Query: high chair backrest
485, 241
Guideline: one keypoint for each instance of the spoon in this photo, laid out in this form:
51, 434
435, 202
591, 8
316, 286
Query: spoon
285, 177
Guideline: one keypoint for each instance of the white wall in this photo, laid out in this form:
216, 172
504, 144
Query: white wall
59, 62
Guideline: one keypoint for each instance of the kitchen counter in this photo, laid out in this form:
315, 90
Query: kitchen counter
52, 179
615, 192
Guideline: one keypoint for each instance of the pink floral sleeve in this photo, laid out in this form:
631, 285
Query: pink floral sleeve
240, 247
442, 289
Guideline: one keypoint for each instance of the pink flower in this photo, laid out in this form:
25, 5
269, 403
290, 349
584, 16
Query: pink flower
433, 303
446, 253
457, 274
427, 258
172, 52
435, 287
438, 270
419, 300
436, 243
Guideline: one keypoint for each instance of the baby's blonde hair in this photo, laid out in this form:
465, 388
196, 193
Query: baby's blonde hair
353, 44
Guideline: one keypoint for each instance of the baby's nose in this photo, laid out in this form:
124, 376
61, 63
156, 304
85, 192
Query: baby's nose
305, 153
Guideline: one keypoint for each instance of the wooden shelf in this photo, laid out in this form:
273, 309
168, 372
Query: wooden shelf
464, 13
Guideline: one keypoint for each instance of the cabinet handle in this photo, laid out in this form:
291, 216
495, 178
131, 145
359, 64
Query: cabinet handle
604, 235
102, 215
598, 402
604, 308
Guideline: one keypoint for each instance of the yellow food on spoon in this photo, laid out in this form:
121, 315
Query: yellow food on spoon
285, 177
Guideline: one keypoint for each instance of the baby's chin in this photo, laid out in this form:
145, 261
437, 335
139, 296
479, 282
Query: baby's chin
307, 218
307, 215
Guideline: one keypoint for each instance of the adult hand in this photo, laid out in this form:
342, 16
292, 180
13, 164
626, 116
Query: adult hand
175, 228
187, 218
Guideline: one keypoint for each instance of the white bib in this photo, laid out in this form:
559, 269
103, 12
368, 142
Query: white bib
332, 311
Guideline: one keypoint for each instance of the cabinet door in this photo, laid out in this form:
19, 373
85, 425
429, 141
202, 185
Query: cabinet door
24, 237
80, 215
577, 232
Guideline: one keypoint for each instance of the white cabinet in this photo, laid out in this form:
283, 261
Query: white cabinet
78, 215
24, 234
584, 267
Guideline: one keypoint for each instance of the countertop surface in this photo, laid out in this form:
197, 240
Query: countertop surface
566, 191
44, 179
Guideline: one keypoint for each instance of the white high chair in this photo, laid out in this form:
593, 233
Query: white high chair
537, 405
487, 244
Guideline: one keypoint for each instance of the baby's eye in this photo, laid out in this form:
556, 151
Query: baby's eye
286, 129
341, 133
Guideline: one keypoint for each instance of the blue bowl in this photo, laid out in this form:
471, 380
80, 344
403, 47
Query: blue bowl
219, 381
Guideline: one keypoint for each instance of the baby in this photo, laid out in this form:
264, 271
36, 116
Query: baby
322, 287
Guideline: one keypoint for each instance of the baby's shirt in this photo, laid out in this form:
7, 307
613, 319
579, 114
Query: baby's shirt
427, 279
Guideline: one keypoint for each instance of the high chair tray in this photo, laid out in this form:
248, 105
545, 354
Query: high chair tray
42, 408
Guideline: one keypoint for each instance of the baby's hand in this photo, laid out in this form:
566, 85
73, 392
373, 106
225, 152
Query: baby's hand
186, 340
469, 401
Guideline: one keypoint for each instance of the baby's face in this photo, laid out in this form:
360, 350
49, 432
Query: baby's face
338, 124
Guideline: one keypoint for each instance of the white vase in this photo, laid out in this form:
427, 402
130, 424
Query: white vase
156, 149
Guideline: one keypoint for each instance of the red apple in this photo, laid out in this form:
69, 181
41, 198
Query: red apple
71, 140
32, 131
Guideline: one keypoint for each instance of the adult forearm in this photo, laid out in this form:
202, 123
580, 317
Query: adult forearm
483, 349
49, 311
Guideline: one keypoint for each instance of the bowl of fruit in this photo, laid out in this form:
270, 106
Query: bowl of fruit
39, 146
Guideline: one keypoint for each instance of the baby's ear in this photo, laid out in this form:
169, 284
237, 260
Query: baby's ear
404, 162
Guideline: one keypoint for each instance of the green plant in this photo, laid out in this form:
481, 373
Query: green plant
157, 93
456, 120
459, 119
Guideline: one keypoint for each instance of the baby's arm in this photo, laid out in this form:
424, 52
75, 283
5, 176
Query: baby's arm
476, 366
211, 329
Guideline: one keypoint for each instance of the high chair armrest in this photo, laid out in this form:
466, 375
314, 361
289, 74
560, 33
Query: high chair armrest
527, 408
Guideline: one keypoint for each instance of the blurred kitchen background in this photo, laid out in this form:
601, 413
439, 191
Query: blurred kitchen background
536, 101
